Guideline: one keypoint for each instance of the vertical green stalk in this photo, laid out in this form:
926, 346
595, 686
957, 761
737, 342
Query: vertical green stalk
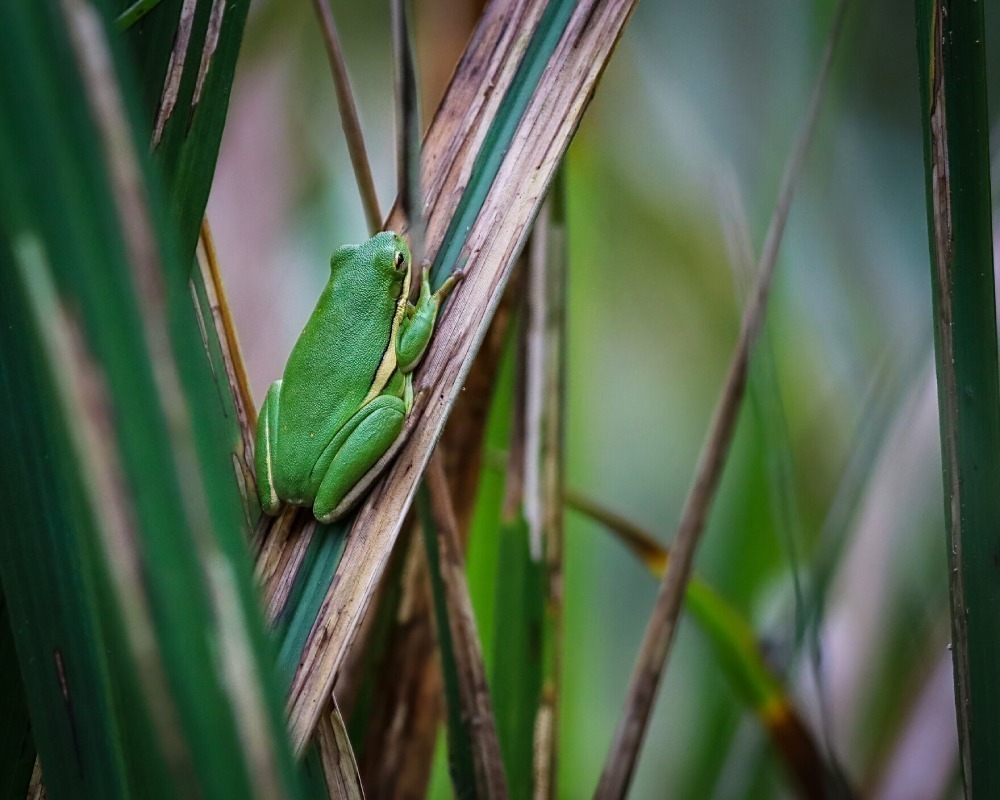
17, 745
951, 51
145, 663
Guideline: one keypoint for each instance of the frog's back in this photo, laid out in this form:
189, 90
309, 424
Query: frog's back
333, 365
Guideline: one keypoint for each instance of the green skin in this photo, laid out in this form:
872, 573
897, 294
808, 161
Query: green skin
333, 421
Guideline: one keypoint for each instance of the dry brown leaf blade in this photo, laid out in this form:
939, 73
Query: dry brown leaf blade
494, 241
658, 639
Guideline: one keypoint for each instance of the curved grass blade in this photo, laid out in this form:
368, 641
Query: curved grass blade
72, 689
736, 651
339, 767
951, 52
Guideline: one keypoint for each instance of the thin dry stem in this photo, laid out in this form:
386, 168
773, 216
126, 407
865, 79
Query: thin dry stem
657, 642
407, 129
349, 117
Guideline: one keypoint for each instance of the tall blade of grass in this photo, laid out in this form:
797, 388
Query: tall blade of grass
56, 611
518, 599
527, 618
17, 745
951, 50
60, 632
545, 105
659, 636
766, 398
765, 394
182, 671
517, 650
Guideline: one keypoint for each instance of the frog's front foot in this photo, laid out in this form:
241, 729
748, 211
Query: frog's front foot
450, 283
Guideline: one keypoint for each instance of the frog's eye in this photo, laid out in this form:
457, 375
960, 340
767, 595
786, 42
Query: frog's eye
400, 258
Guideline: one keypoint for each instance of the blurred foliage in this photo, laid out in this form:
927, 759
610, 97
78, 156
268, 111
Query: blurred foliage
694, 91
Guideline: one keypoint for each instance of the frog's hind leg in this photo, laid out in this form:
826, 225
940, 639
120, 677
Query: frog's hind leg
267, 436
364, 452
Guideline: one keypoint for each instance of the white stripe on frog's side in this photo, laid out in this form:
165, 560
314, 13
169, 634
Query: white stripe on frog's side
387, 366
267, 456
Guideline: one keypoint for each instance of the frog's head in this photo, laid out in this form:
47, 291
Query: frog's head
385, 254
389, 254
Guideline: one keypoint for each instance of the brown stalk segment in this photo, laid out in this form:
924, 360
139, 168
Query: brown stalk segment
403, 724
237, 385
294, 531
662, 626
474, 693
493, 242
236, 373
339, 768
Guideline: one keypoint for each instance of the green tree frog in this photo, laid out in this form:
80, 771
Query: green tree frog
335, 418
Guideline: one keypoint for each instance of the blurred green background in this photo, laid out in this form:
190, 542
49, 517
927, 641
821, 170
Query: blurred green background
834, 481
